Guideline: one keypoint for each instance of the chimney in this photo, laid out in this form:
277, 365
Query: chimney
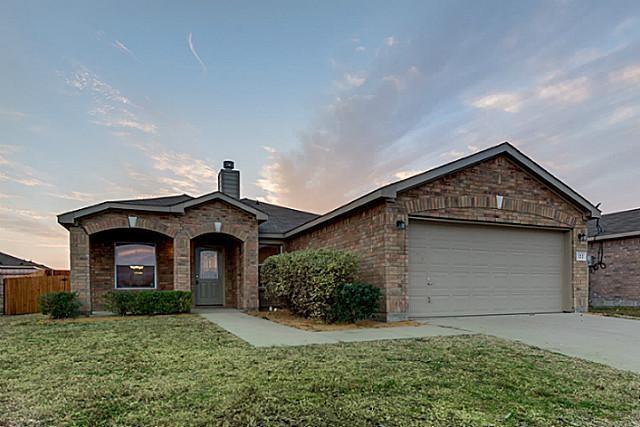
229, 180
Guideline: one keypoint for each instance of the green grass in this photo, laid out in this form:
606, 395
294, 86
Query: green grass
184, 371
616, 311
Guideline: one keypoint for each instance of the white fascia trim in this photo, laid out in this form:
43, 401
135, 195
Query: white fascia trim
614, 236
70, 217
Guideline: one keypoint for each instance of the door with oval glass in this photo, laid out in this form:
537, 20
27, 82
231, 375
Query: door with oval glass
209, 280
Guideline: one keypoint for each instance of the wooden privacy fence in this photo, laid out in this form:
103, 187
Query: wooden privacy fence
21, 293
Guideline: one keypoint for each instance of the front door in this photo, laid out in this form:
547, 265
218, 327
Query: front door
209, 280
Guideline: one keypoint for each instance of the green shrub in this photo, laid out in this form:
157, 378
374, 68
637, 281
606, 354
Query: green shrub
307, 279
59, 305
354, 301
148, 302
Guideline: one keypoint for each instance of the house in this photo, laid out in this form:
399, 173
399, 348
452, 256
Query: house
618, 240
11, 266
490, 233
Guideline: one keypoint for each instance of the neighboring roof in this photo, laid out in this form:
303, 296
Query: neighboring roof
281, 219
171, 204
7, 260
616, 225
391, 190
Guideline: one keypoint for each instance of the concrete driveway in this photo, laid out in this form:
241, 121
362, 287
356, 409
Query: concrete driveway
608, 340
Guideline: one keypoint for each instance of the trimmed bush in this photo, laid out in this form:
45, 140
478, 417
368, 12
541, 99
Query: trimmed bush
148, 302
307, 279
59, 305
354, 301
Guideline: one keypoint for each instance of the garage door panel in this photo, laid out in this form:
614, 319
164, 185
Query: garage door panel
477, 269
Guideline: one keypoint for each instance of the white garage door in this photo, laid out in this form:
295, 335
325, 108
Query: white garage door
460, 269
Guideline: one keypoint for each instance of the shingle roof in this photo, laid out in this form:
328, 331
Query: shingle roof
281, 218
157, 201
617, 223
7, 260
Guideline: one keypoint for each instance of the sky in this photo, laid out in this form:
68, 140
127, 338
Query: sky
316, 102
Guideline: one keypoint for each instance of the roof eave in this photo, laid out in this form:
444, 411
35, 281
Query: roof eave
70, 218
390, 191
614, 236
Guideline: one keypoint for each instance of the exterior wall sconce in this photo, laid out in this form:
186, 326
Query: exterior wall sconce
582, 237
401, 225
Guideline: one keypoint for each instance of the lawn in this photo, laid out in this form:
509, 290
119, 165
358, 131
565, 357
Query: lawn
616, 311
184, 371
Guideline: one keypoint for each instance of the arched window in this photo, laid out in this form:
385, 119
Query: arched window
135, 266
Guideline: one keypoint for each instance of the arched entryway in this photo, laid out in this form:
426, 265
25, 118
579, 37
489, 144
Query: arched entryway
129, 259
216, 266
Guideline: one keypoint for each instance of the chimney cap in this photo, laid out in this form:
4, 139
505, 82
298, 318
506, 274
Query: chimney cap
228, 164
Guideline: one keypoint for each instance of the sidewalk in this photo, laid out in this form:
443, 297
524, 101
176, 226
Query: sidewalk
264, 333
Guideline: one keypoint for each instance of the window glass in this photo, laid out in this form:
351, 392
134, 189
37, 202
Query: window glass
208, 265
135, 265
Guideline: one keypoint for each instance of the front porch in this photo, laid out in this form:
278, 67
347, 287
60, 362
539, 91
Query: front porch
211, 265
211, 251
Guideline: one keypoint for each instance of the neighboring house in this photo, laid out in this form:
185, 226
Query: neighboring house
489, 233
11, 266
619, 240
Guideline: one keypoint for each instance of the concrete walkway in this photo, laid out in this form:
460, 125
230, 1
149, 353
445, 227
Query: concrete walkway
608, 340
264, 333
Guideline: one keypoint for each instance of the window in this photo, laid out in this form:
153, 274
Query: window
135, 265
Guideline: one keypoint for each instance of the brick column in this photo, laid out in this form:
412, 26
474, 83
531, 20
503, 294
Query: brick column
80, 268
182, 262
249, 291
580, 272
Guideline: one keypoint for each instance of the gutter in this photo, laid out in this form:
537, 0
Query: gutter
614, 236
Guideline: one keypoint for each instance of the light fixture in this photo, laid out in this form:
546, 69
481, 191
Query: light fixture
582, 237
401, 225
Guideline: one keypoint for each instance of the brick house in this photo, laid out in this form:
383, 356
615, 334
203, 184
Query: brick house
619, 240
489, 233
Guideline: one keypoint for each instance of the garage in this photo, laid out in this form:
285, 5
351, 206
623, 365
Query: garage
459, 269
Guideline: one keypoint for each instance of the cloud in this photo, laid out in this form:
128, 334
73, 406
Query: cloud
508, 102
195, 53
354, 80
17, 172
391, 41
360, 49
78, 196
622, 114
109, 106
568, 92
11, 114
124, 49
183, 172
630, 74
406, 173
411, 121
27, 180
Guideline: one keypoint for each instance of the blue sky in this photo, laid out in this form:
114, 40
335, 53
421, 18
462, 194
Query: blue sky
317, 102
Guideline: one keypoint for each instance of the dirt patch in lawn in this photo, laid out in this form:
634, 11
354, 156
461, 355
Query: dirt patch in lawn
285, 317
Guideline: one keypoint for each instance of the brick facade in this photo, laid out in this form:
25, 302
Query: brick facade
370, 231
619, 283
102, 260
469, 194
89, 275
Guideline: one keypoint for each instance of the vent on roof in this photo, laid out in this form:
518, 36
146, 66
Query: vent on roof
229, 180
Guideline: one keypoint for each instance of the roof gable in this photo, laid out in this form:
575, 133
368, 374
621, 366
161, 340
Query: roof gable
165, 206
390, 191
